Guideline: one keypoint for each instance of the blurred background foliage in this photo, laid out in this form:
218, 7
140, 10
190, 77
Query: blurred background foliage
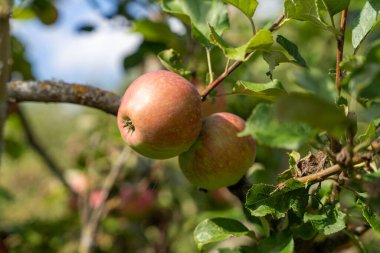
38, 214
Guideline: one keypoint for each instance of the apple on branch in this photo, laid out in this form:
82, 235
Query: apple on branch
219, 157
160, 115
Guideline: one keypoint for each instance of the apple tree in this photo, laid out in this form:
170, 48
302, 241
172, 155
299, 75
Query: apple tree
243, 132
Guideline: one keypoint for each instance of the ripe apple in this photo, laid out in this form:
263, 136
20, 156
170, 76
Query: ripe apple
160, 115
136, 202
219, 157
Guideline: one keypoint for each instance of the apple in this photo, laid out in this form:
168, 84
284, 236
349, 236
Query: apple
136, 202
218, 158
160, 115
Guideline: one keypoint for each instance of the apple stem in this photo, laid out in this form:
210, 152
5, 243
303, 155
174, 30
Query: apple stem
128, 123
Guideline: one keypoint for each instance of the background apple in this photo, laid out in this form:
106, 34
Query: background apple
136, 202
219, 157
160, 114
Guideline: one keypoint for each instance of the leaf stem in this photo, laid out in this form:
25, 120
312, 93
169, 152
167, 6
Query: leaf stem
209, 64
340, 46
236, 64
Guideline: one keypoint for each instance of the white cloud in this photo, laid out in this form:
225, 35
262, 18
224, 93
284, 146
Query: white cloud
58, 52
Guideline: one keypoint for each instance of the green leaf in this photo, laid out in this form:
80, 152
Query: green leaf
199, 14
278, 243
274, 58
262, 40
172, 61
22, 13
336, 6
292, 49
294, 157
263, 199
369, 134
218, 229
365, 21
312, 110
306, 10
267, 91
315, 81
305, 231
267, 130
372, 219
330, 223
248, 7
156, 32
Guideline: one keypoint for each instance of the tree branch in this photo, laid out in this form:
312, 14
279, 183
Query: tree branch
61, 92
234, 66
5, 55
339, 53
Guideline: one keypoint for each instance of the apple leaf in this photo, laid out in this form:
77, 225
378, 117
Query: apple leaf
365, 79
267, 130
218, 229
248, 7
327, 223
198, 14
370, 216
365, 21
292, 50
336, 6
262, 40
312, 110
306, 10
263, 199
279, 243
267, 91
315, 81
172, 61
274, 58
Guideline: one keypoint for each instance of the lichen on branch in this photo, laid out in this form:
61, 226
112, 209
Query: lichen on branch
61, 92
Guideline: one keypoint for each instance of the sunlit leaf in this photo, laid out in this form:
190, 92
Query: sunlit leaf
218, 229
330, 223
365, 21
336, 6
267, 91
199, 14
172, 61
248, 7
263, 199
263, 39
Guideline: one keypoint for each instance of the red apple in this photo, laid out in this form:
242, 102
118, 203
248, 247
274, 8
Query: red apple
219, 157
136, 203
160, 115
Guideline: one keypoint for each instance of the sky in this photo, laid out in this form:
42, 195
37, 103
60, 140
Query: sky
58, 52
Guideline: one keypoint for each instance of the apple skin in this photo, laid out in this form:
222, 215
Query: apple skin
219, 157
160, 115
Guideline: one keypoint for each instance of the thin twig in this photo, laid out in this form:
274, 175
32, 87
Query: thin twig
5, 61
235, 65
61, 92
321, 174
51, 164
209, 65
340, 46
91, 226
